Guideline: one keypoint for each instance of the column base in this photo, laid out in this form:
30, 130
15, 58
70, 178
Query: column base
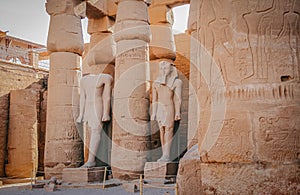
83, 175
161, 171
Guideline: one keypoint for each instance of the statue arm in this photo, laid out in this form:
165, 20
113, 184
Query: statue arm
106, 97
81, 103
177, 99
154, 102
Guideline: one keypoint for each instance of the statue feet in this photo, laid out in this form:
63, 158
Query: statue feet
88, 165
164, 159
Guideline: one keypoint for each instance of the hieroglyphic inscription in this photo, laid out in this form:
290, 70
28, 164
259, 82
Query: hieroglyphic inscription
234, 143
277, 135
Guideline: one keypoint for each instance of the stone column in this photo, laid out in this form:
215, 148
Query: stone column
63, 146
249, 98
131, 138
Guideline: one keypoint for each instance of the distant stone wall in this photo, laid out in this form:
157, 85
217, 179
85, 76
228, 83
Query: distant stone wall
13, 76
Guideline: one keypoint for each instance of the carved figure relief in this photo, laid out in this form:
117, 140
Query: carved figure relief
253, 21
291, 29
222, 37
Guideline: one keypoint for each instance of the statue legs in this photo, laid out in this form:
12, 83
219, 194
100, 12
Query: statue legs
166, 136
93, 148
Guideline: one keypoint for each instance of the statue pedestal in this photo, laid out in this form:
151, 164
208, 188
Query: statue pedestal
160, 171
83, 175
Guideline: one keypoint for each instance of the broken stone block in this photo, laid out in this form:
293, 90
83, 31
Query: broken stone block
65, 34
83, 175
162, 44
103, 24
161, 14
162, 170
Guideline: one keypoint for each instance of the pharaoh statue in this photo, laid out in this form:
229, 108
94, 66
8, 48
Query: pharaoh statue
166, 103
95, 95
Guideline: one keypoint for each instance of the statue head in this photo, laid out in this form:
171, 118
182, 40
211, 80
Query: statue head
165, 68
167, 73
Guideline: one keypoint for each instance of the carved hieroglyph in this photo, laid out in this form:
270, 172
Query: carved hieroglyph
63, 146
95, 95
131, 138
245, 69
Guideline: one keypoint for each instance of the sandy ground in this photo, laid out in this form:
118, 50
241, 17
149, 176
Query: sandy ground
114, 190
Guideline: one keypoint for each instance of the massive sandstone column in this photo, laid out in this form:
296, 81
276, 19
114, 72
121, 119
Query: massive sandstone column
131, 138
247, 57
63, 146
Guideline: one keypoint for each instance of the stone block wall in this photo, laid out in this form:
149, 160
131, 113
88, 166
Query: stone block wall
13, 76
23, 133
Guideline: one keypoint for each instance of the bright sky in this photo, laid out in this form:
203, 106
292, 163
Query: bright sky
28, 20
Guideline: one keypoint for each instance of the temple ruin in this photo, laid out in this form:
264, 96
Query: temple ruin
237, 67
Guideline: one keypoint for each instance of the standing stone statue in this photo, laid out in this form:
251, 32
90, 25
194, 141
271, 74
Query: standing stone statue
166, 102
95, 94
